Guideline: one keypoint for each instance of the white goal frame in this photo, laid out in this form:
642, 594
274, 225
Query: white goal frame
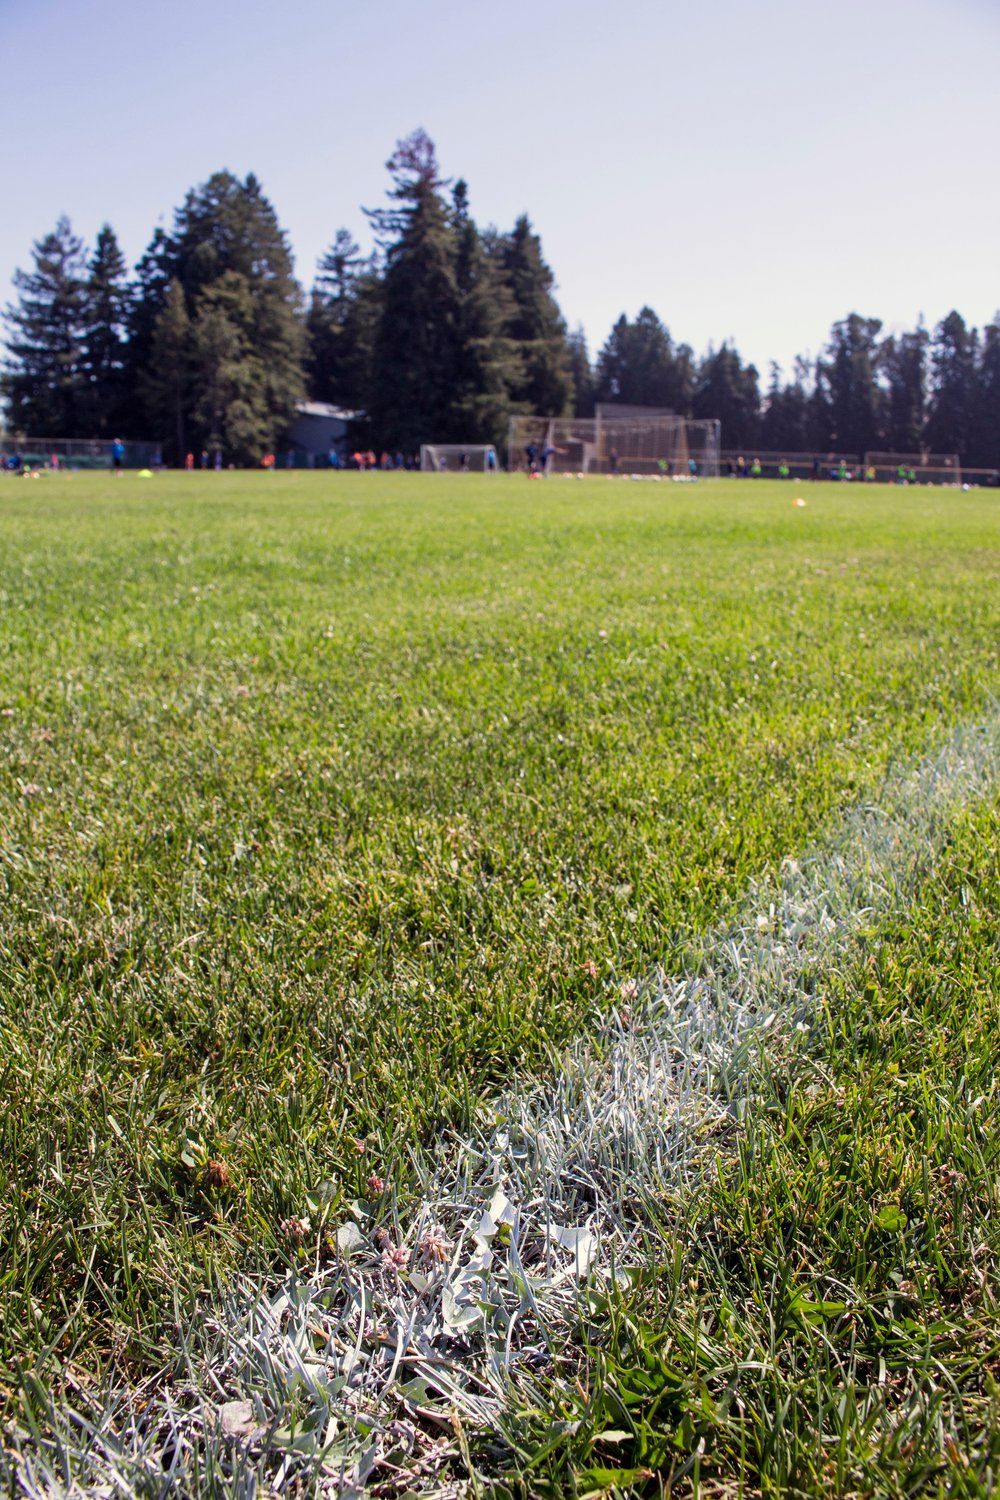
458, 458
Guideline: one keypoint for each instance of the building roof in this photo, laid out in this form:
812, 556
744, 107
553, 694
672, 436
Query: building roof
324, 409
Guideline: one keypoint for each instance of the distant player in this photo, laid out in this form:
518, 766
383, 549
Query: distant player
117, 455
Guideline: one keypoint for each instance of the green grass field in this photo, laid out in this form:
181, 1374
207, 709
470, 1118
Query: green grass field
332, 805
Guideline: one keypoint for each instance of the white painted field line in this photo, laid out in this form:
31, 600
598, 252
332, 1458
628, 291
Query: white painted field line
424, 1312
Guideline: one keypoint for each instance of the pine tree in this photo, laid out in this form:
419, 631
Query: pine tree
415, 351
639, 366
231, 259
855, 399
535, 323
487, 362
984, 441
151, 279
44, 380
582, 373
904, 362
953, 382
785, 421
344, 311
727, 389
820, 423
166, 382
231, 396
103, 352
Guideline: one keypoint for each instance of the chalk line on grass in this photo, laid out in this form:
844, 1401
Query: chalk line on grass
349, 1368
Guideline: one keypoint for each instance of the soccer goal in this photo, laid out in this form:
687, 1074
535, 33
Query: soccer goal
458, 458
656, 446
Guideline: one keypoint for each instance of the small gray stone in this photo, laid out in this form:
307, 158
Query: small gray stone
237, 1419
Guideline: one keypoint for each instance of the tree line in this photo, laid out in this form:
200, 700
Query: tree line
441, 332
908, 393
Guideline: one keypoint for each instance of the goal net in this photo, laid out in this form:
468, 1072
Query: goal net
656, 445
452, 458
914, 468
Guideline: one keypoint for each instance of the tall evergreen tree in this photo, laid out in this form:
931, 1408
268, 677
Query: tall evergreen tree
231, 396
487, 362
582, 372
415, 346
44, 380
728, 389
820, 415
166, 380
953, 383
984, 440
855, 399
152, 279
785, 421
344, 309
638, 365
226, 246
103, 352
535, 323
904, 362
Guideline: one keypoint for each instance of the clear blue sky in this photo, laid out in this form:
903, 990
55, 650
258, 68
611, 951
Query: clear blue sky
752, 172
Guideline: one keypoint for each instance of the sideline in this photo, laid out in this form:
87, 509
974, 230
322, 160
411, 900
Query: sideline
421, 1313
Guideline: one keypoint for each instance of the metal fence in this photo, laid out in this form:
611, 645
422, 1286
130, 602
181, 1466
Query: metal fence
881, 468
76, 453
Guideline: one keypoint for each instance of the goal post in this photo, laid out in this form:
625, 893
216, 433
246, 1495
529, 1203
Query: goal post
657, 445
458, 458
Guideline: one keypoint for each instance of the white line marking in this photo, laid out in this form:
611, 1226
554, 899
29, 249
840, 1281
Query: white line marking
425, 1314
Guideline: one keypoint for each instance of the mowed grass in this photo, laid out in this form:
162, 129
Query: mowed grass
330, 802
